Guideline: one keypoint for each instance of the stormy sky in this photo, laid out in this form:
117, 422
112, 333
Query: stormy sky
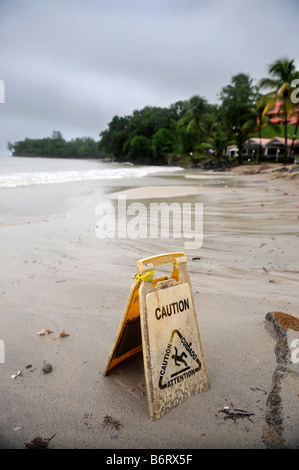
71, 65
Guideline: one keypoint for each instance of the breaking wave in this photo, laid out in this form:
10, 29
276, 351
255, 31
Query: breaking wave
36, 178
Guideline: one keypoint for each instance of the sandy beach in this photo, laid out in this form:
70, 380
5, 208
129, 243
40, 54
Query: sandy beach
57, 274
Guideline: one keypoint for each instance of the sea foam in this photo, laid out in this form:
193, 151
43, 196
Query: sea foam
37, 178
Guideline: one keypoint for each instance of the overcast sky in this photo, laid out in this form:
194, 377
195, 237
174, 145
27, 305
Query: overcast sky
71, 65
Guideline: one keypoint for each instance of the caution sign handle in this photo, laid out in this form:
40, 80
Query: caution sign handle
154, 261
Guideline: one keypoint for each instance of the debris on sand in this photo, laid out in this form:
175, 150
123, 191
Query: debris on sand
47, 368
257, 389
39, 443
235, 414
16, 374
63, 334
108, 421
44, 332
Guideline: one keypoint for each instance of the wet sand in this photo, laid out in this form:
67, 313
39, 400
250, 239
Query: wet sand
57, 274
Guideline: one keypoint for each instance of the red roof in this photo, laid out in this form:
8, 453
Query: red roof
276, 111
275, 140
259, 141
282, 141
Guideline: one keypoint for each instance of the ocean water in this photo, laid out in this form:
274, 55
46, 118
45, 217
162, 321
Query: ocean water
34, 189
19, 171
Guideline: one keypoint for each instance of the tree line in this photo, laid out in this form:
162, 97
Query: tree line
190, 129
56, 146
195, 127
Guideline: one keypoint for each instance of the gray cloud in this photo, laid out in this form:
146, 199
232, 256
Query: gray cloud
71, 65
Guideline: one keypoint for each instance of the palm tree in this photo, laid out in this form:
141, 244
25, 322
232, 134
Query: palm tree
283, 72
194, 116
237, 98
295, 132
191, 126
216, 137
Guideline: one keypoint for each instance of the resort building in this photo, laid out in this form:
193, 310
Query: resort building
272, 148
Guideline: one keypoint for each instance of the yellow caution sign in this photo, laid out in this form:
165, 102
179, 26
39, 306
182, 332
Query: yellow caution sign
160, 320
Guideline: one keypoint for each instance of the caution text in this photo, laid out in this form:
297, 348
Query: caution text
171, 309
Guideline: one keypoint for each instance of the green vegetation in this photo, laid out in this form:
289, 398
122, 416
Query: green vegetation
192, 130
276, 131
183, 132
282, 74
238, 98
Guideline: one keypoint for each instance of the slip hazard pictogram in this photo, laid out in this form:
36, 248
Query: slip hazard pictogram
180, 361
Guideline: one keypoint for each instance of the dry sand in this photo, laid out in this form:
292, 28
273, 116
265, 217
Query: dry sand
56, 274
